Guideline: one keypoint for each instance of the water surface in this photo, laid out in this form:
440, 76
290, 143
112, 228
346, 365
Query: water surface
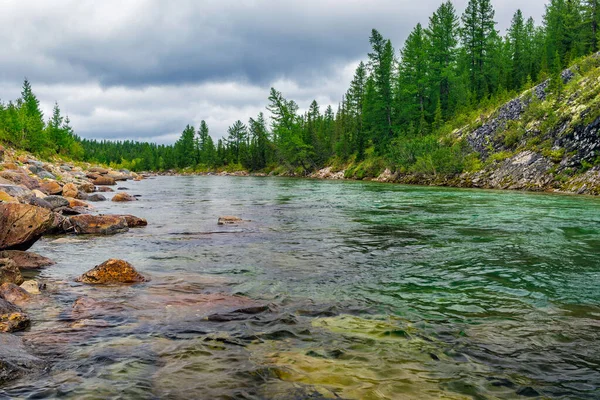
333, 290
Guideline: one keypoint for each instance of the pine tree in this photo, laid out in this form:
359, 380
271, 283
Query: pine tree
518, 43
33, 137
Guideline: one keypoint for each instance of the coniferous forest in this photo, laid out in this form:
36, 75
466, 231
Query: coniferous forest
398, 111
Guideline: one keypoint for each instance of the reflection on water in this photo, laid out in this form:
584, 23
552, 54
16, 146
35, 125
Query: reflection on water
334, 290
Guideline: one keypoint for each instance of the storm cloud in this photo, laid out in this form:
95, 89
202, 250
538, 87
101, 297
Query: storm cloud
142, 70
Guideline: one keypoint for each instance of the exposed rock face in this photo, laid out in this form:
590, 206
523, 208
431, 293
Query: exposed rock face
26, 259
111, 272
104, 181
70, 190
229, 220
14, 294
133, 221
51, 187
21, 225
121, 197
327, 173
9, 272
12, 318
96, 224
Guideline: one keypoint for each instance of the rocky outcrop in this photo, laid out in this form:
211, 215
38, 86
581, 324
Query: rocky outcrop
26, 259
9, 272
21, 225
96, 224
111, 272
122, 197
12, 318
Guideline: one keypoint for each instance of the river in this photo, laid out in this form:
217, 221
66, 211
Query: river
331, 290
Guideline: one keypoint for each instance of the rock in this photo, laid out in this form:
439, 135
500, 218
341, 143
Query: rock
10, 166
122, 188
26, 260
39, 194
99, 170
118, 176
96, 197
92, 175
77, 203
229, 220
45, 175
21, 225
14, 294
112, 271
86, 187
9, 272
104, 181
121, 197
18, 192
96, 224
133, 221
12, 318
21, 178
57, 202
15, 360
5, 198
66, 168
31, 287
70, 190
36, 201
105, 189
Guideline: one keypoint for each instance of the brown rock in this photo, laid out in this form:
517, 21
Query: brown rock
92, 175
6, 198
21, 225
10, 166
87, 187
9, 272
97, 224
112, 271
118, 176
70, 190
105, 189
104, 181
77, 203
26, 260
14, 294
51, 187
133, 221
21, 178
39, 194
123, 197
12, 319
229, 220
99, 170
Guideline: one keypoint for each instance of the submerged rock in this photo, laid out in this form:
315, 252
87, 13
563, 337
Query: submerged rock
14, 294
112, 271
229, 220
96, 224
31, 287
21, 225
9, 272
120, 197
26, 260
15, 360
12, 318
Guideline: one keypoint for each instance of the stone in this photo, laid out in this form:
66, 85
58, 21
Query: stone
18, 192
70, 190
87, 224
39, 194
118, 176
111, 272
36, 201
21, 225
77, 203
9, 272
45, 175
122, 188
121, 197
14, 294
11, 166
86, 187
6, 198
96, 197
99, 170
133, 221
229, 220
20, 178
12, 318
51, 187
31, 287
104, 181
66, 168
26, 259
57, 202
105, 189
15, 360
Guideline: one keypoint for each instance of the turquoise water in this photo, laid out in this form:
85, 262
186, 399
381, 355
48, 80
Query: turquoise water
373, 291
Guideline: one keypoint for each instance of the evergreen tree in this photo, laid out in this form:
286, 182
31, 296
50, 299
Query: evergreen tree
33, 137
518, 45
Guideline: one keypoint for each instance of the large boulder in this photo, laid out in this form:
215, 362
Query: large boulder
9, 272
20, 178
51, 187
99, 170
77, 203
111, 272
104, 181
21, 225
18, 192
121, 197
96, 197
118, 176
86, 187
70, 190
57, 202
26, 259
96, 224
14, 294
12, 318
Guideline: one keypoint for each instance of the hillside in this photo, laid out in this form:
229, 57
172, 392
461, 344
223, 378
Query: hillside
539, 141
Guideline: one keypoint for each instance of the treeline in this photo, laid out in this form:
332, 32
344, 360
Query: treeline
399, 103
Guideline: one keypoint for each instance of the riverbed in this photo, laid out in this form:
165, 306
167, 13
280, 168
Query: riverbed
329, 290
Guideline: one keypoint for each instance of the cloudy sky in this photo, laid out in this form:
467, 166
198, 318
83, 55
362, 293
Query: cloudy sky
143, 69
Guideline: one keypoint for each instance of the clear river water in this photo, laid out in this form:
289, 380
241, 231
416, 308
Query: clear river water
343, 290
